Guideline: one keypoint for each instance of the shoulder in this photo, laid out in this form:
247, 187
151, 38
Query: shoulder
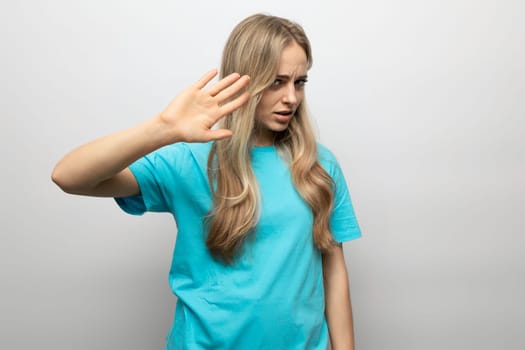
198, 152
197, 148
175, 159
327, 159
324, 153
183, 149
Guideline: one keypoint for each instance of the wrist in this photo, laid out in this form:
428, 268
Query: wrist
158, 134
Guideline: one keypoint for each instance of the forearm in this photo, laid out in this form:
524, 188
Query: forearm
99, 167
89, 165
337, 301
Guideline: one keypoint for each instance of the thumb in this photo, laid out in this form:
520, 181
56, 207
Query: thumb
219, 134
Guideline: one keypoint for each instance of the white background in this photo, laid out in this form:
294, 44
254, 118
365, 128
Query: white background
421, 101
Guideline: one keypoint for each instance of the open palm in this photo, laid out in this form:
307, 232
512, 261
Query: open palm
192, 114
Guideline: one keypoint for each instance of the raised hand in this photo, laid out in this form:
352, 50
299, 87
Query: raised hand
99, 168
192, 114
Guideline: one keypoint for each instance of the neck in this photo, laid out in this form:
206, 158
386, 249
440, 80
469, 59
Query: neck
263, 138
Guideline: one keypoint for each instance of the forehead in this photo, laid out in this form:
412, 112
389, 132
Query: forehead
293, 61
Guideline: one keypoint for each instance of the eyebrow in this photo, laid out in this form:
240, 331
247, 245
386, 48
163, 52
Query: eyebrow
287, 77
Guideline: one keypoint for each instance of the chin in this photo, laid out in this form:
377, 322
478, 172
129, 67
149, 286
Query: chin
279, 127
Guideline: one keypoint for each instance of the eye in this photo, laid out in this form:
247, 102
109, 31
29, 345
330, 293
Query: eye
277, 82
300, 82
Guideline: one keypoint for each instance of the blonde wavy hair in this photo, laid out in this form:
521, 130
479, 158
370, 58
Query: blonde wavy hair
254, 48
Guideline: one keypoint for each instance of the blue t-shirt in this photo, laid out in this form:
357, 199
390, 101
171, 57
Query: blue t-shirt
272, 297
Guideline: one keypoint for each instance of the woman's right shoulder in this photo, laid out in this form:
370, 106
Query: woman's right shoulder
175, 159
182, 149
184, 154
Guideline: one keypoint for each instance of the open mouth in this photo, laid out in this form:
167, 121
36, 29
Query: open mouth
283, 116
285, 113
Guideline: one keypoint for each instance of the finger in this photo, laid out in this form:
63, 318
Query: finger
206, 78
233, 89
223, 83
219, 134
234, 104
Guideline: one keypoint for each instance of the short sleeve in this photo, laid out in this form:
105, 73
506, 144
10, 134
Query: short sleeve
343, 222
156, 175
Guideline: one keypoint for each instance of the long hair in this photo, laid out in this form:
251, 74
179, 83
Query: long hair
254, 48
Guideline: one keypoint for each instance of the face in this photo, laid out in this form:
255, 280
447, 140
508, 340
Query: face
280, 101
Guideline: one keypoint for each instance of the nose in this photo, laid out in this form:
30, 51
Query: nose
290, 94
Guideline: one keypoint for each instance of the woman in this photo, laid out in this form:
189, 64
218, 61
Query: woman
261, 209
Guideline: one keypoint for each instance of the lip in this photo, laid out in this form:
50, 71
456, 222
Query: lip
284, 115
285, 111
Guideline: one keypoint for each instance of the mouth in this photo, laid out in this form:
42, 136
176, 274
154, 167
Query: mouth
284, 115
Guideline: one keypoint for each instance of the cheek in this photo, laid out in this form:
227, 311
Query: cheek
300, 96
